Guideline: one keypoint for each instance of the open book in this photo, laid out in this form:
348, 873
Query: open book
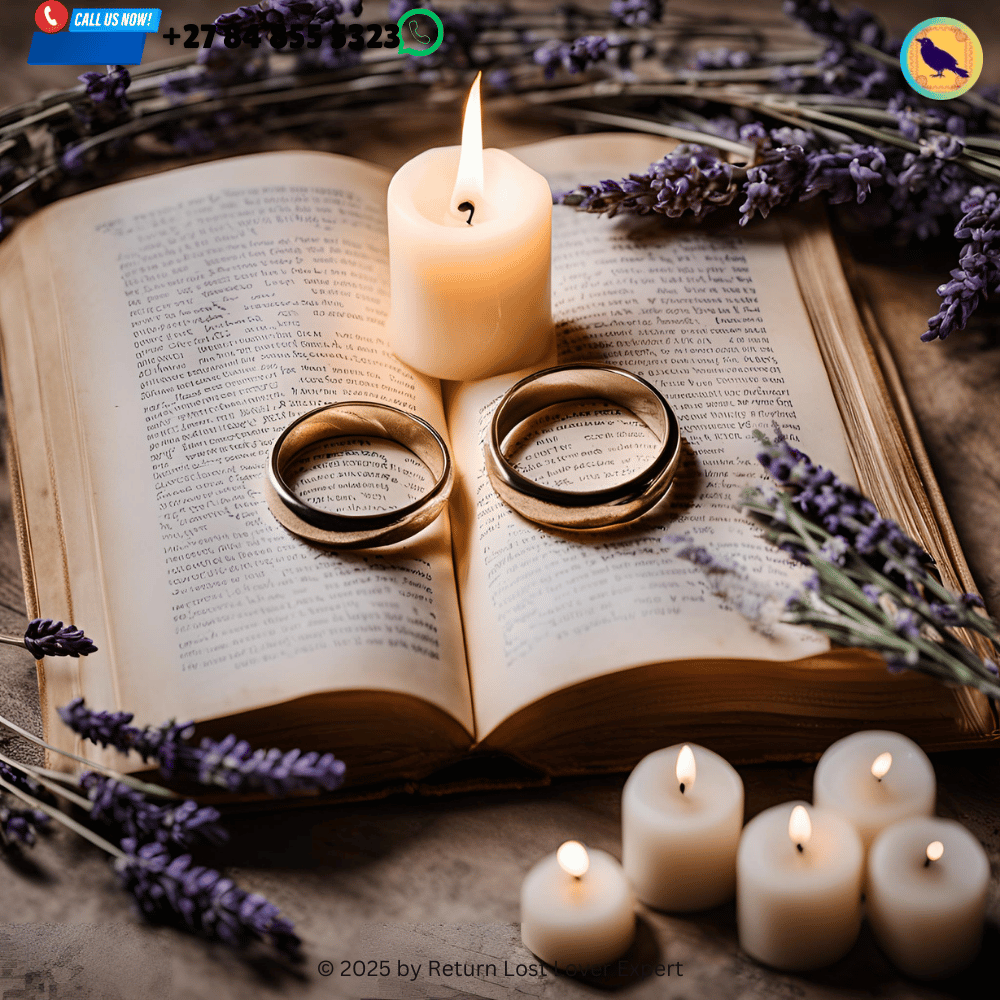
159, 334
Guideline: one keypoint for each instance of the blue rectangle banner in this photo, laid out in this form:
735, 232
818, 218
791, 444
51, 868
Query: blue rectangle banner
65, 48
115, 19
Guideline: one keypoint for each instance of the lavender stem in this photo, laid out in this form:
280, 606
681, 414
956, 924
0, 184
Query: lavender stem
60, 817
45, 782
143, 786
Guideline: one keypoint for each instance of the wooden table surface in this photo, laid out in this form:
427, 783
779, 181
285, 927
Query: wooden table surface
415, 881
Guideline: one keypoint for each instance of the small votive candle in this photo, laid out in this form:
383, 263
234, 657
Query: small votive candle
798, 887
926, 897
682, 814
875, 778
577, 909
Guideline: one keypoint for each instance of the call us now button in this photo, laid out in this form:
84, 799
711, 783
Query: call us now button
115, 19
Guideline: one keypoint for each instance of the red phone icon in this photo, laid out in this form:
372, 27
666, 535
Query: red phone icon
51, 16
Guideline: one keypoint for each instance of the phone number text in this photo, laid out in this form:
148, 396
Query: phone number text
295, 36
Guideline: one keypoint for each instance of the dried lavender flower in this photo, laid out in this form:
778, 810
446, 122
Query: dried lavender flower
172, 890
107, 90
271, 14
844, 513
873, 586
114, 729
230, 763
21, 826
236, 766
777, 181
132, 815
844, 175
45, 637
24, 782
723, 58
692, 179
637, 13
979, 272
574, 57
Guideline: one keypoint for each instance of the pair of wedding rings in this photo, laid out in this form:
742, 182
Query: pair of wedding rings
616, 504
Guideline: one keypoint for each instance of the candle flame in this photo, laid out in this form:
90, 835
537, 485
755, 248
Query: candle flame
881, 765
573, 858
935, 850
469, 180
686, 768
799, 827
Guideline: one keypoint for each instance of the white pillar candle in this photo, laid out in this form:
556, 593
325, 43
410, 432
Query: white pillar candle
682, 813
875, 778
577, 909
928, 915
470, 300
798, 887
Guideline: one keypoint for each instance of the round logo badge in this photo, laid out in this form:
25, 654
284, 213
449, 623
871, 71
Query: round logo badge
941, 58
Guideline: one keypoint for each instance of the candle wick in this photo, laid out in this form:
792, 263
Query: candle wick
927, 862
467, 206
682, 788
799, 848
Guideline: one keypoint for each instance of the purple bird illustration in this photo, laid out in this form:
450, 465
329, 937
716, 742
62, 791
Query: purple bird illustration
939, 59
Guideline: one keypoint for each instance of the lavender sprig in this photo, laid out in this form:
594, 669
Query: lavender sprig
21, 826
107, 92
979, 272
575, 57
691, 179
230, 763
696, 179
22, 780
132, 816
45, 637
172, 890
873, 586
637, 13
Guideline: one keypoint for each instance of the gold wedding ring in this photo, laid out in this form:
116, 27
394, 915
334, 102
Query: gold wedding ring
357, 531
594, 508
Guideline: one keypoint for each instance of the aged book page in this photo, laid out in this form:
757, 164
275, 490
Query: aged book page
716, 322
191, 315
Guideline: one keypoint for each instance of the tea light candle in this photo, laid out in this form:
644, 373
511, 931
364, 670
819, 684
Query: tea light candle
798, 887
470, 246
875, 778
577, 909
927, 887
682, 813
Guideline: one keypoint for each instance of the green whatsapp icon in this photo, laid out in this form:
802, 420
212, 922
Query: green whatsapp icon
410, 27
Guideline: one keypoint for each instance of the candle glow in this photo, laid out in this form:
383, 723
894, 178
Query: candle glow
686, 768
573, 858
799, 909
568, 920
927, 914
881, 765
470, 255
678, 846
875, 778
799, 827
468, 189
